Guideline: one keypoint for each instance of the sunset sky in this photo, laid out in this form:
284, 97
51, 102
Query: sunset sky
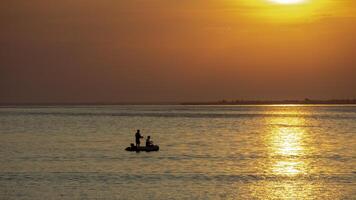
176, 50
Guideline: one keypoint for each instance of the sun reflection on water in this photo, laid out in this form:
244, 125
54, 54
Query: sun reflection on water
287, 145
287, 167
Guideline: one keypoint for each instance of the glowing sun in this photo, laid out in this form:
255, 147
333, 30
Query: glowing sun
287, 1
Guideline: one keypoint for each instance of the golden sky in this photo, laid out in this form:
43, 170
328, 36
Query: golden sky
176, 50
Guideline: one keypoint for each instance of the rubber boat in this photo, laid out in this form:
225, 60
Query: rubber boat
143, 148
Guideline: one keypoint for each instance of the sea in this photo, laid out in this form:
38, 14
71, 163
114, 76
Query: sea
206, 152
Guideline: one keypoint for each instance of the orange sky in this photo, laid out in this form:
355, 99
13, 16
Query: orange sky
169, 50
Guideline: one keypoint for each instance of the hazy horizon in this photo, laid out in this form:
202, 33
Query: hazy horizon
212, 102
176, 51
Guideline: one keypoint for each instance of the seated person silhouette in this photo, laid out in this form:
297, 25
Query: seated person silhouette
149, 142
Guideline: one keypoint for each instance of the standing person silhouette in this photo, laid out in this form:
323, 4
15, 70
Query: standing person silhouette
138, 136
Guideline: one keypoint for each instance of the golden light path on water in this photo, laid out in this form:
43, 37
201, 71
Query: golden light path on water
286, 144
294, 167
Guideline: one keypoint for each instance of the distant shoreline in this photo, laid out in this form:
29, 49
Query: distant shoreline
222, 102
276, 102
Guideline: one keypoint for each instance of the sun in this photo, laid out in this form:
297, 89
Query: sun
285, 11
287, 1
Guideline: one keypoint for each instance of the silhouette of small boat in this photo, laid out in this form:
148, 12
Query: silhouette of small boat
143, 148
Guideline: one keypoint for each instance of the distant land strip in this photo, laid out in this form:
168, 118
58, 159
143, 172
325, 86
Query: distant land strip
221, 102
273, 102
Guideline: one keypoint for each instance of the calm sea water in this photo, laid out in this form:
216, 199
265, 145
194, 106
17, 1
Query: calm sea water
207, 152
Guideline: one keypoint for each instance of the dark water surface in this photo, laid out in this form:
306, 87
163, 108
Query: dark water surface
207, 152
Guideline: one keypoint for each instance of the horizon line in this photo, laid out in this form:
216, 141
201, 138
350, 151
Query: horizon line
219, 102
